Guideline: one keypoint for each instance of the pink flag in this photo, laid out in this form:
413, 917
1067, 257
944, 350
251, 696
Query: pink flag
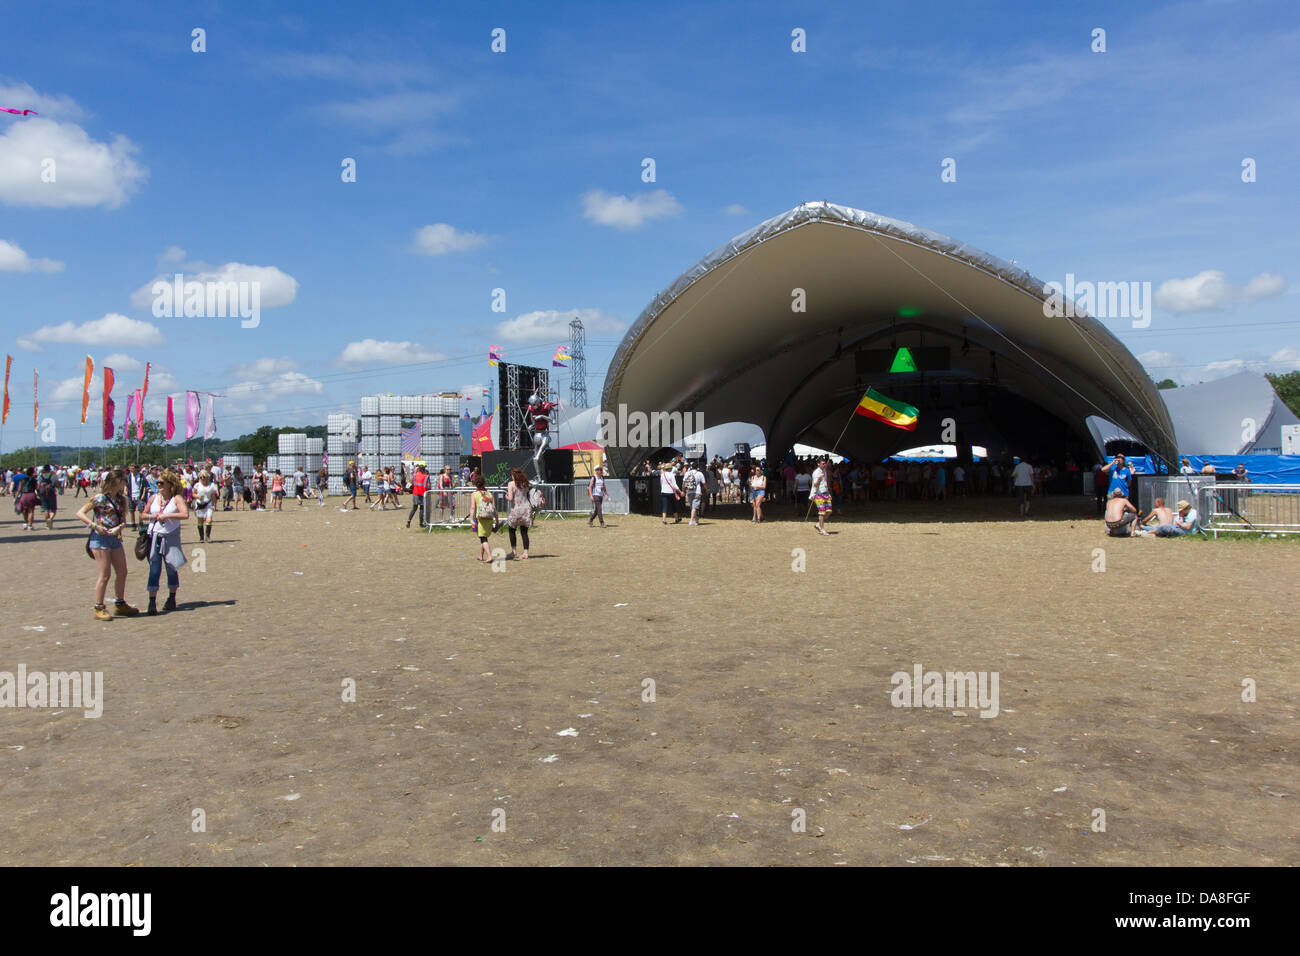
139, 414
108, 404
126, 427
171, 421
191, 414
210, 421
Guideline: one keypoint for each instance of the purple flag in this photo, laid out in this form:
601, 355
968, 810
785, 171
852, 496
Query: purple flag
139, 414
191, 414
210, 421
126, 427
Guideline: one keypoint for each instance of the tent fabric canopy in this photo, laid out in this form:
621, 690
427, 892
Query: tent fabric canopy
727, 339
1218, 417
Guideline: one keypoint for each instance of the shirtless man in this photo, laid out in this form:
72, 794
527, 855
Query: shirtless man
1159, 515
1120, 515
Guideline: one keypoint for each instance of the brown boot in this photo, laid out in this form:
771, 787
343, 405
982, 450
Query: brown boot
122, 609
101, 613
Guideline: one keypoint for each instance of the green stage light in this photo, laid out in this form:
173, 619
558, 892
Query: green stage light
903, 361
908, 312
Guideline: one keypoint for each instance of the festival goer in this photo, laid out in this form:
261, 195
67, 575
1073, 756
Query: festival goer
105, 515
366, 478
483, 508
1186, 468
1022, 477
27, 496
693, 482
596, 489
757, 492
166, 510
134, 492
203, 499
47, 490
446, 481
419, 486
300, 485
350, 483
242, 494
277, 491
1159, 515
519, 505
669, 492
322, 482
819, 493
1120, 474
1120, 515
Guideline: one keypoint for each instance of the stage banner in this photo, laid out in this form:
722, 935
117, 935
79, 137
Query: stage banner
108, 403
85, 388
191, 414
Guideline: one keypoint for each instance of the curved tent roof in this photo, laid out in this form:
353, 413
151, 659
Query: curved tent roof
723, 340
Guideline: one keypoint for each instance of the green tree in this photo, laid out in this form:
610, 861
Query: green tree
151, 449
1166, 383
1287, 387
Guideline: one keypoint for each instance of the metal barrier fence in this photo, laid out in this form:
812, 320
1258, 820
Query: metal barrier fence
1172, 488
1254, 509
451, 507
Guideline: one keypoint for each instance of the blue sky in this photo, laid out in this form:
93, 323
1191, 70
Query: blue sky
1115, 166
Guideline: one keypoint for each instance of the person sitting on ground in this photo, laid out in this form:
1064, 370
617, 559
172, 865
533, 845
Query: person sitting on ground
1184, 523
1159, 515
1120, 515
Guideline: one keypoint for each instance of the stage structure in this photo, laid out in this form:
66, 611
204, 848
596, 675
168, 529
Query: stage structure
577, 365
786, 325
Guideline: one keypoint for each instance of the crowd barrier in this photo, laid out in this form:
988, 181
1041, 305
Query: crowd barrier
451, 507
1232, 507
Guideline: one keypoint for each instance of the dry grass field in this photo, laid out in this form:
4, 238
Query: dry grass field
524, 691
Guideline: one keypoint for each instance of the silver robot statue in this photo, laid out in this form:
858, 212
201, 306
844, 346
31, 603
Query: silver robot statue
539, 425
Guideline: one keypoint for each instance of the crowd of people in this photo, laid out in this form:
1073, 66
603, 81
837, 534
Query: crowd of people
154, 501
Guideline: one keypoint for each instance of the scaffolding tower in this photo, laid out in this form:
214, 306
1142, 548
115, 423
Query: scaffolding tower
577, 366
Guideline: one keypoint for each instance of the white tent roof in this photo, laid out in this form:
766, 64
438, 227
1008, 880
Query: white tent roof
727, 338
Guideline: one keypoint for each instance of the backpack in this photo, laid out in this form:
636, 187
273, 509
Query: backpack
535, 498
487, 508
688, 484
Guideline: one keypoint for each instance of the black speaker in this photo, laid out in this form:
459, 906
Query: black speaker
557, 467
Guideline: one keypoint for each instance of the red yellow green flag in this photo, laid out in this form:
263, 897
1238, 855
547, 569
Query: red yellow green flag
887, 410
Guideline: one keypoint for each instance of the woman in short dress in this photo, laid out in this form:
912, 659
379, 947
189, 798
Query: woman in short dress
519, 517
484, 524
166, 510
105, 515
203, 501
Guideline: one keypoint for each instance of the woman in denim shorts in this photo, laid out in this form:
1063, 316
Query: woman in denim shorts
105, 515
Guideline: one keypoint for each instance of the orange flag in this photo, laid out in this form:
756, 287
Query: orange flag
85, 388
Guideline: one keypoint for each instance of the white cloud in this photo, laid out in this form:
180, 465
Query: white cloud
375, 352
476, 392
172, 254
275, 288
736, 209
264, 368
550, 326
257, 397
624, 212
121, 363
112, 329
14, 259
441, 238
406, 115
347, 69
1162, 365
48, 160
1210, 291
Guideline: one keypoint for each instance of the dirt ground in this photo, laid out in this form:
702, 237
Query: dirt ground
1119, 690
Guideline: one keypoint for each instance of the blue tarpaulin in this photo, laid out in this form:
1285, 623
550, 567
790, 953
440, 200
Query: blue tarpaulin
1260, 469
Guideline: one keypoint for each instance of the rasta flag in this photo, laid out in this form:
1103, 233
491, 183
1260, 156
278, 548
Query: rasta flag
887, 410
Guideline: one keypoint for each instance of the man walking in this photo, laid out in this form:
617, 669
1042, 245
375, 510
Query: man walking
1023, 478
419, 485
